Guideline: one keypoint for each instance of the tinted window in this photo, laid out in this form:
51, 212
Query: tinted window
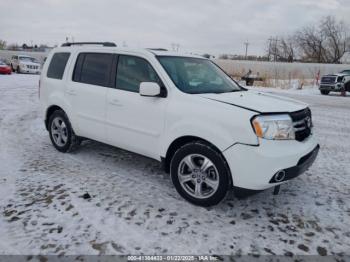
132, 71
93, 69
57, 65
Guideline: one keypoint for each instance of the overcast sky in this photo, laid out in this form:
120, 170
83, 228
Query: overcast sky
220, 26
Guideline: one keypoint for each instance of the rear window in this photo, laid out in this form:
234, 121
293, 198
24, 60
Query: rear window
93, 69
57, 65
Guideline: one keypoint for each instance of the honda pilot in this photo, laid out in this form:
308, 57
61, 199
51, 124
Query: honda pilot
211, 134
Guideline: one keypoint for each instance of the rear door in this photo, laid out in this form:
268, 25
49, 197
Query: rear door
87, 92
135, 122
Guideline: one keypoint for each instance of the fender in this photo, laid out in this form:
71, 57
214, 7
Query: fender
210, 130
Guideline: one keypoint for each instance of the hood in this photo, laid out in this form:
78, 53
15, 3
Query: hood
257, 101
334, 75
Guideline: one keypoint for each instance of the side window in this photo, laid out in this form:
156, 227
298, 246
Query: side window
132, 71
57, 65
93, 69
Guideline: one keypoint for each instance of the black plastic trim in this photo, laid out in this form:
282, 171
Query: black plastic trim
107, 44
240, 192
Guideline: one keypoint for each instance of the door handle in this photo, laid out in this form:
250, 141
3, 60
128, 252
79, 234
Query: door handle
71, 92
115, 102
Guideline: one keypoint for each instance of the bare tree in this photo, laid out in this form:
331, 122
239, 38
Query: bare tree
2, 44
13, 47
326, 42
223, 56
310, 42
281, 49
336, 43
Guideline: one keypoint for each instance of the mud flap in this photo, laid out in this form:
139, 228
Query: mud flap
276, 190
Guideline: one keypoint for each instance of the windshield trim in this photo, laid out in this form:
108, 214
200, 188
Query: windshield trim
241, 88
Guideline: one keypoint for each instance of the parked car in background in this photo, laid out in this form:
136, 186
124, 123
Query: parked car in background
345, 72
210, 133
25, 64
4, 68
339, 82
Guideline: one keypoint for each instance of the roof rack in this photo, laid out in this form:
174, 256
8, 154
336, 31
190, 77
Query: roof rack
157, 49
109, 44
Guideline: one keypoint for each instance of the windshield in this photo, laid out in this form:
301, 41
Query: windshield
197, 76
27, 59
345, 72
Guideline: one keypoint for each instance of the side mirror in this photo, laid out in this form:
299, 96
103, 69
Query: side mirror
149, 89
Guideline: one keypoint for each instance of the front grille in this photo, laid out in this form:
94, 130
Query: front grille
32, 67
302, 121
328, 79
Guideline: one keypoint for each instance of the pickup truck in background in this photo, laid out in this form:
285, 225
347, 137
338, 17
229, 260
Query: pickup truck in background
339, 82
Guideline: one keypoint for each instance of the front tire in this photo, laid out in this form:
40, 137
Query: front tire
61, 133
200, 174
324, 92
18, 70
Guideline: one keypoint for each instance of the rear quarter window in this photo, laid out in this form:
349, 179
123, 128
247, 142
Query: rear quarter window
57, 65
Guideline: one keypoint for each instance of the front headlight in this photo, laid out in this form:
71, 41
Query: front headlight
274, 127
22, 65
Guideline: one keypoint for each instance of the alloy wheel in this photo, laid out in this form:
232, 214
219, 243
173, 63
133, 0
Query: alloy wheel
59, 132
198, 176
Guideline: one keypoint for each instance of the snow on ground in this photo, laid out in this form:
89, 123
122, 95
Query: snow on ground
134, 208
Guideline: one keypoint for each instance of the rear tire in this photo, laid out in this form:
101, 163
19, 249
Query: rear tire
200, 174
61, 133
324, 92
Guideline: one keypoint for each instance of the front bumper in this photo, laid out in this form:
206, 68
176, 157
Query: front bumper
5, 71
331, 87
29, 70
253, 167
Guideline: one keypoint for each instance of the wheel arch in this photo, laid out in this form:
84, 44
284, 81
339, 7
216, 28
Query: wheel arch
179, 142
49, 112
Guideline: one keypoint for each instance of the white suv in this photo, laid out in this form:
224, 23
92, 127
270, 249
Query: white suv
210, 133
25, 64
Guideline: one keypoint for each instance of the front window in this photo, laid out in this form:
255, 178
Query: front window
132, 71
197, 76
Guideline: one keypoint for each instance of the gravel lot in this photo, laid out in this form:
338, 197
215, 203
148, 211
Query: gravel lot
134, 208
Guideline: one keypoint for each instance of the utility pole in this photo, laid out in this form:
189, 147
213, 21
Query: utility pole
269, 51
246, 49
276, 41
